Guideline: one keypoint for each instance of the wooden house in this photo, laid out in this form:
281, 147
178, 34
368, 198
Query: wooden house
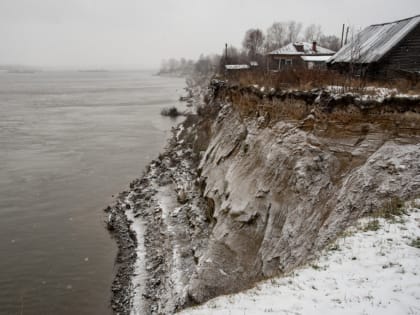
298, 55
382, 50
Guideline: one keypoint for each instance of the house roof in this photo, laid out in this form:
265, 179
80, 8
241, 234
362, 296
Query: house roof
306, 49
315, 58
375, 41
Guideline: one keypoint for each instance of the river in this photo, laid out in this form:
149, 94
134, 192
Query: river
69, 141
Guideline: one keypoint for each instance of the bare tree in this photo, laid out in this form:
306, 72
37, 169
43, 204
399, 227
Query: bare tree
313, 32
203, 65
293, 28
235, 56
253, 42
276, 36
331, 42
355, 52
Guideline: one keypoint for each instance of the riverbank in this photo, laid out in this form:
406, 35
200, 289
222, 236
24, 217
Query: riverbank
166, 202
163, 218
257, 183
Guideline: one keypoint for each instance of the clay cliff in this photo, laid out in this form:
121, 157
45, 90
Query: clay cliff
259, 181
287, 173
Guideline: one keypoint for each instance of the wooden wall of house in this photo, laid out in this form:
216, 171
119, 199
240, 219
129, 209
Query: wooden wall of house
275, 59
405, 56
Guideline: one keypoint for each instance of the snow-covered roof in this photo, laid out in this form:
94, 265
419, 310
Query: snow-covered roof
236, 67
371, 44
302, 48
253, 63
315, 58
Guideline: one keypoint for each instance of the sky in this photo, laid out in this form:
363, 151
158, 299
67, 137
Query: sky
140, 33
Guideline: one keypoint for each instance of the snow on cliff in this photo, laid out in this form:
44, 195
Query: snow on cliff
365, 272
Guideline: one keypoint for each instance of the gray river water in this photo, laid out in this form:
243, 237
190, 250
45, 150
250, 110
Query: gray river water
68, 142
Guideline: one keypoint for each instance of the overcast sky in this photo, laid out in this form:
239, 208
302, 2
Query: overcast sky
140, 33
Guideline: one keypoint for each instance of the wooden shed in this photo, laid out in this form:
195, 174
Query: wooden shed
382, 50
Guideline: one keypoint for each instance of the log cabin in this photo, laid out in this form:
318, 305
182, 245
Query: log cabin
382, 51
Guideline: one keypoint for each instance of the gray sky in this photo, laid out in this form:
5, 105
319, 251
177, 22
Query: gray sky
124, 33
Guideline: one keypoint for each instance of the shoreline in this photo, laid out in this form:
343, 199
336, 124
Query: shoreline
164, 207
118, 226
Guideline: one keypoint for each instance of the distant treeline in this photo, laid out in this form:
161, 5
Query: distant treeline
182, 67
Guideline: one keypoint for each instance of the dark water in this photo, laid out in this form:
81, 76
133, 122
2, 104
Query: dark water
68, 142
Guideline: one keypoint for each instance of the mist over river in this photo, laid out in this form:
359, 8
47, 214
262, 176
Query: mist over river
68, 142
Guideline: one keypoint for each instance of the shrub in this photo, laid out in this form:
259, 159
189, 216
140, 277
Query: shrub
415, 242
393, 208
171, 112
372, 225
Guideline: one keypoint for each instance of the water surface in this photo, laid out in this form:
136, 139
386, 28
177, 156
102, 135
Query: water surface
68, 142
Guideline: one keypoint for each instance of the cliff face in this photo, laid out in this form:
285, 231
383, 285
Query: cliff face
255, 185
282, 188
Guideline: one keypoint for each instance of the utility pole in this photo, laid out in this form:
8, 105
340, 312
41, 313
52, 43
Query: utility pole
347, 34
226, 54
342, 36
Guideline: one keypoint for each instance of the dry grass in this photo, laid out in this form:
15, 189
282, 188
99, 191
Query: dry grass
415, 243
249, 105
340, 119
388, 117
305, 79
392, 208
372, 225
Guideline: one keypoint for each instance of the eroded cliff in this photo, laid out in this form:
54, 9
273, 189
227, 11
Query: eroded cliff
286, 176
259, 181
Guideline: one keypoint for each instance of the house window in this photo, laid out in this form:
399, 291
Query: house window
282, 63
285, 63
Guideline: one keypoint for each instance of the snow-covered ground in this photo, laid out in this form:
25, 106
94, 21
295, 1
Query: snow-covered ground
363, 272
140, 276
369, 93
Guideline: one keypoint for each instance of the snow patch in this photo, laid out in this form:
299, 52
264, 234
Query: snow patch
366, 272
167, 201
140, 276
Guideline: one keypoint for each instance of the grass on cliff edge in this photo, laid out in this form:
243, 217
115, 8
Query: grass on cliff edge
307, 79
